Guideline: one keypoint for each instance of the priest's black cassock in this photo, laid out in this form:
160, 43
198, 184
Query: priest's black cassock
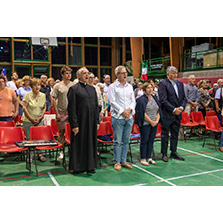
83, 113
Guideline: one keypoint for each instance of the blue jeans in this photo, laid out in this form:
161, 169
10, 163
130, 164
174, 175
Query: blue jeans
121, 130
48, 103
147, 133
9, 118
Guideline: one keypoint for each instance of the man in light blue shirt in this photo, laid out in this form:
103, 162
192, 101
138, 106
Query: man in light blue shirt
122, 101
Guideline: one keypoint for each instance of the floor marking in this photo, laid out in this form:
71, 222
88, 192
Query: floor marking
153, 175
53, 179
190, 151
194, 174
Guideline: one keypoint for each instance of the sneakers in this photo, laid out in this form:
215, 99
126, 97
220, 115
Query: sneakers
117, 166
126, 165
61, 155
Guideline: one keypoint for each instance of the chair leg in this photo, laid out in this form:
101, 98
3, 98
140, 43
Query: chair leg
64, 159
56, 157
28, 164
34, 151
204, 137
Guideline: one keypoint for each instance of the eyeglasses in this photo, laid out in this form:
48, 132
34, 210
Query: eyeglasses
122, 73
91, 77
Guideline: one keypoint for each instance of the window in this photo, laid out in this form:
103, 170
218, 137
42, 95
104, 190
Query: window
201, 40
39, 53
59, 55
76, 58
5, 51
23, 70
61, 39
128, 49
22, 51
91, 55
38, 71
105, 71
74, 39
105, 56
91, 40
94, 71
106, 41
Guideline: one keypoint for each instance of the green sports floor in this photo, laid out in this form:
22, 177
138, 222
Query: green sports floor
202, 167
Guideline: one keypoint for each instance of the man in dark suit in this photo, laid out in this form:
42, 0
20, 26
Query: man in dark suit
173, 101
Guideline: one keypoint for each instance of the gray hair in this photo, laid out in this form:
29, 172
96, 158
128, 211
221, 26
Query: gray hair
100, 85
219, 80
191, 76
79, 71
106, 76
118, 68
171, 69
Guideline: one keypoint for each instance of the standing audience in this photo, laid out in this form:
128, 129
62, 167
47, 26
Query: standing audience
105, 100
12, 84
147, 117
8, 102
138, 91
173, 101
84, 119
46, 89
122, 101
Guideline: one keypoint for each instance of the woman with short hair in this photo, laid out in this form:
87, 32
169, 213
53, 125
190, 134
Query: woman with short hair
34, 107
147, 117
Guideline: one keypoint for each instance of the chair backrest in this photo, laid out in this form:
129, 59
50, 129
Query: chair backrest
135, 129
185, 118
52, 111
54, 127
211, 113
41, 133
212, 123
197, 117
105, 128
109, 113
67, 132
11, 134
106, 119
158, 130
7, 124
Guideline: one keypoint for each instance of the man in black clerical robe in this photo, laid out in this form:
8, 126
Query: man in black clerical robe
83, 117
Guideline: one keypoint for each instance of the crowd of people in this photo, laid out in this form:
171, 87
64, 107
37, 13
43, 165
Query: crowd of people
85, 101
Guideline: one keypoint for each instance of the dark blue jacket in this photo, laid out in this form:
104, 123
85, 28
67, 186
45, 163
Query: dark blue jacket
168, 98
141, 103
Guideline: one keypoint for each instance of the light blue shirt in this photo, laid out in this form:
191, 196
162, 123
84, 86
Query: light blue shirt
22, 91
121, 98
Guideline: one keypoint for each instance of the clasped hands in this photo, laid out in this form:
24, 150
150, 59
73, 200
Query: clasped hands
178, 111
127, 113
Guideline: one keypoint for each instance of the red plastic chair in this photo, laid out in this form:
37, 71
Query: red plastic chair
105, 128
186, 123
67, 133
106, 119
44, 133
158, 131
54, 128
8, 136
52, 111
211, 113
197, 117
7, 124
212, 124
109, 113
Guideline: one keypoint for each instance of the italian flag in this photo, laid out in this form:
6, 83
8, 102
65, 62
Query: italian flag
144, 71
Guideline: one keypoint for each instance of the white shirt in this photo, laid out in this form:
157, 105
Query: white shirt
106, 88
121, 98
11, 84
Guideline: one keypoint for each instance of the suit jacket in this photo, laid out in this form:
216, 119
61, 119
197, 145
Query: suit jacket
168, 98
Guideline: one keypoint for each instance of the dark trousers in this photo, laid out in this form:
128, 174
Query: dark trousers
172, 126
147, 133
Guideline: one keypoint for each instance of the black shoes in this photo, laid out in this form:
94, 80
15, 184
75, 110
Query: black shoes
165, 158
176, 156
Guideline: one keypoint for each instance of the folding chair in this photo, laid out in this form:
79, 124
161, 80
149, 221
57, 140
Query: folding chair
212, 124
105, 129
197, 117
106, 119
44, 133
8, 136
186, 123
54, 128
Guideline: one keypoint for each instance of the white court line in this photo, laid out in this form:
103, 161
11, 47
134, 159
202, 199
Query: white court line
152, 175
190, 151
194, 174
53, 179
